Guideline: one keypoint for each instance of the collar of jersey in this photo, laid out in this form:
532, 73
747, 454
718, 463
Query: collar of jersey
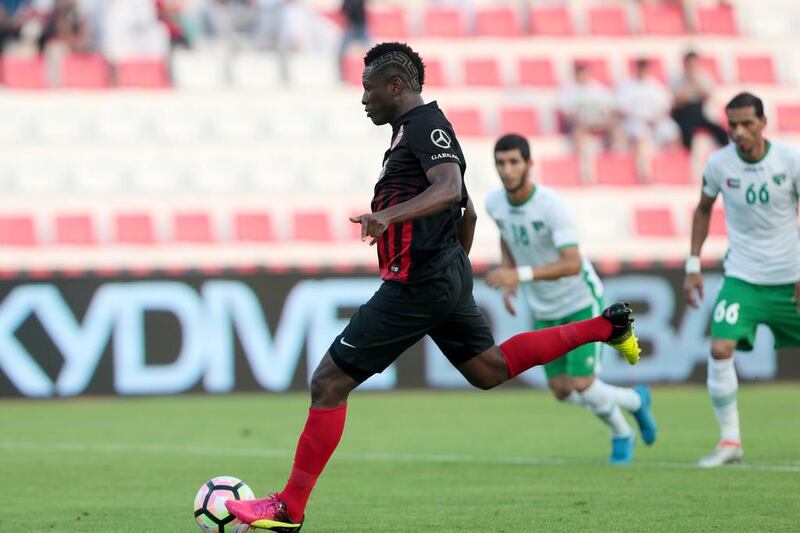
414, 110
766, 152
525, 201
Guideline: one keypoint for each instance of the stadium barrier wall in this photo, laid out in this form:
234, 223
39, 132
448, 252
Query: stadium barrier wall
172, 333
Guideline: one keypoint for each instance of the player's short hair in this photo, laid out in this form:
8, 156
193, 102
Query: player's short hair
743, 100
691, 54
512, 141
397, 60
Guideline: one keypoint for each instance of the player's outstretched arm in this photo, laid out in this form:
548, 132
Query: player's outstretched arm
465, 227
444, 192
693, 284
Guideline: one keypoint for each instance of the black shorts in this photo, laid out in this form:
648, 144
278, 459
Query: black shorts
400, 314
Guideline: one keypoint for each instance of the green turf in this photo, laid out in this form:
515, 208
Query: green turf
409, 461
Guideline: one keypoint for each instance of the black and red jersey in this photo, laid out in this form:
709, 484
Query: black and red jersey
417, 249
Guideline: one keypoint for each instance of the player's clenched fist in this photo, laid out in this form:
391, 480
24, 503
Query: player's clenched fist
502, 278
372, 225
693, 288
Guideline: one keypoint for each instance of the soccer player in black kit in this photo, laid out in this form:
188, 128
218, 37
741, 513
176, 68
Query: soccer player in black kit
422, 223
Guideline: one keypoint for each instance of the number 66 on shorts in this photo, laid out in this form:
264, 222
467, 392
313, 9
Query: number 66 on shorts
742, 306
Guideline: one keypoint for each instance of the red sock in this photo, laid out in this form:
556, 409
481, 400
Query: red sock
534, 348
319, 439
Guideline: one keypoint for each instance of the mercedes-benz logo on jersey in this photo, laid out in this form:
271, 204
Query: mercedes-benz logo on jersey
440, 138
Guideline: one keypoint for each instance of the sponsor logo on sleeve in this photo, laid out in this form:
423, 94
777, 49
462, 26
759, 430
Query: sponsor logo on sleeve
440, 138
434, 157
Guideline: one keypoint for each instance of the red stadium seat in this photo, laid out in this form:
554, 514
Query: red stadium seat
788, 117
717, 20
467, 122
192, 227
85, 71
616, 169
536, 72
311, 226
353, 67
598, 66
253, 227
24, 72
672, 167
718, 227
134, 228
443, 22
608, 21
656, 67
561, 171
482, 72
756, 69
388, 23
434, 73
711, 67
551, 20
74, 229
142, 74
17, 231
654, 222
519, 119
497, 22
663, 19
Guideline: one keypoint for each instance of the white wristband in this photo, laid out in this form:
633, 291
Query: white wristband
693, 264
525, 273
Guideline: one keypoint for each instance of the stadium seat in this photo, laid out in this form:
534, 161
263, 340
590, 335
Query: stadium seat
353, 67
656, 67
255, 70
756, 69
710, 66
17, 231
718, 227
443, 22
598, 66
672, 167
716, 20
192, 227
134, 228
519, 119
616, 169
253, 227
388, 23
497, 22
26, 73
198, 70
467, 122
74, 229
85, 71
142, 74
788, 117
434, 73
610, 21
663, 19
654, 222
561, 171
311, 226
536, 72
482, 73
551, 21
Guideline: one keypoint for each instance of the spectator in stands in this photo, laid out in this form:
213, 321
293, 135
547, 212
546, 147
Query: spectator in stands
690, 93
644, 105
587, 110
233, 21
169, 13
13, 14
66, 27
355, 28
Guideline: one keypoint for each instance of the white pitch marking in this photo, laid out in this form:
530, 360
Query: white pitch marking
388, 457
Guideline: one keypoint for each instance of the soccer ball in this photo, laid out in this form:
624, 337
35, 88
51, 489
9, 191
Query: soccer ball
209, 505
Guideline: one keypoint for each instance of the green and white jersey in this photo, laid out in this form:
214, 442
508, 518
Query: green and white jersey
761, 212
535, 231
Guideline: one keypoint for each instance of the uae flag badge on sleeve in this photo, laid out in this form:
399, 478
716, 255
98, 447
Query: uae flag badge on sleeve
733, 183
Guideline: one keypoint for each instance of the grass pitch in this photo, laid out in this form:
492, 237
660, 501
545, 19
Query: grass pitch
508, 460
